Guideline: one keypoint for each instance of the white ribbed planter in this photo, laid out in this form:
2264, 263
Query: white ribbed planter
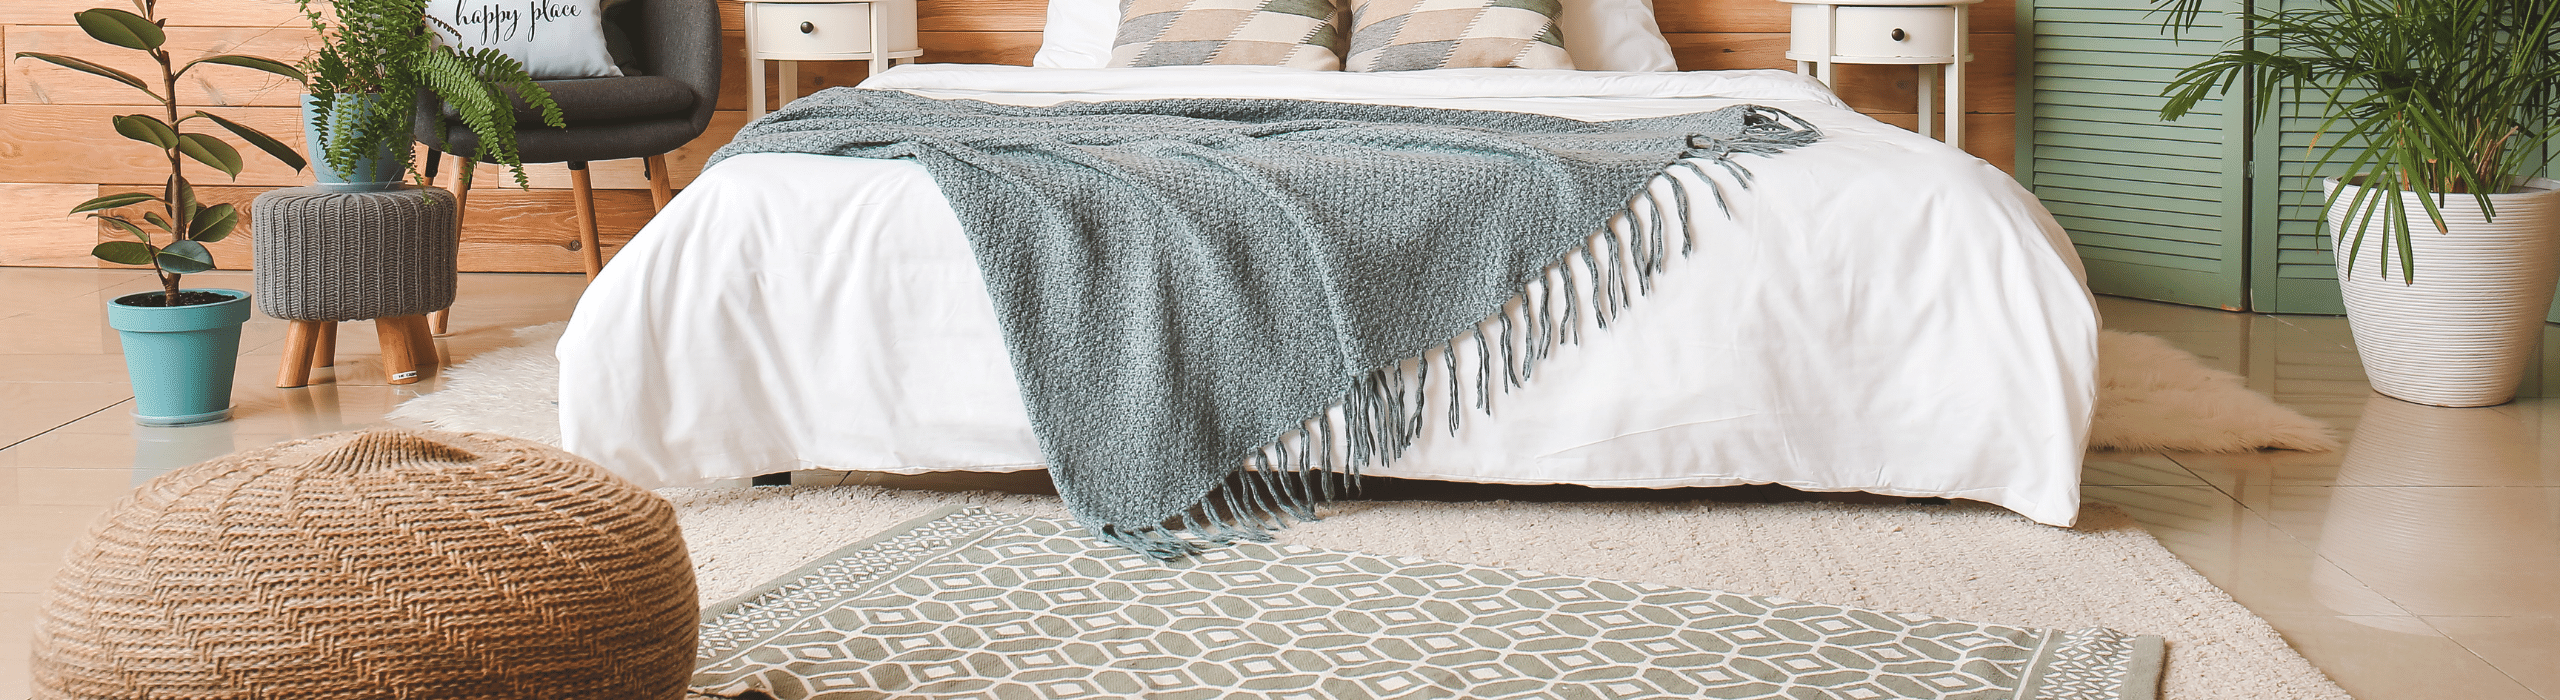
2462, 334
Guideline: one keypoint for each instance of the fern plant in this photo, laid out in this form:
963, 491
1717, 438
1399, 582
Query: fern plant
382, 53
2443, 97
185, 223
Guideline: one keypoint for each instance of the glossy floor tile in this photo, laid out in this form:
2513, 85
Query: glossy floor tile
2419, 562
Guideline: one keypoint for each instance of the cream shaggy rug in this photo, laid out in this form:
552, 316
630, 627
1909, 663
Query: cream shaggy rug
1970, 562
2151, 397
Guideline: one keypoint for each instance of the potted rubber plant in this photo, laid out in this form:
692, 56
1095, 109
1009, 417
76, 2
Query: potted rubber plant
180, 345
2447, 248
375, 59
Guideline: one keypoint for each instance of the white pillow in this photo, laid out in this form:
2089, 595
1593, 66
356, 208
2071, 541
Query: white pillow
1614, 35
554, 39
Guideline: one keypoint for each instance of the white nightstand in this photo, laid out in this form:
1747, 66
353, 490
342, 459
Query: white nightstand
879, 31
1921, 33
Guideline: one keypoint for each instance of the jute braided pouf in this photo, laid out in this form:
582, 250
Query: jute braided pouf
325, 255
379, 564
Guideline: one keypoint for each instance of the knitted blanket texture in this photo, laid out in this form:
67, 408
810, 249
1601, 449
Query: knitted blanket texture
1221, 310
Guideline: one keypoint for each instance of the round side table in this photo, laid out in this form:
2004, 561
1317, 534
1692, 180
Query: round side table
1921, 33
326, 256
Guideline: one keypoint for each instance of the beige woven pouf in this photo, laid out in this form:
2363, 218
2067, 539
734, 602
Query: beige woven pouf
378, 564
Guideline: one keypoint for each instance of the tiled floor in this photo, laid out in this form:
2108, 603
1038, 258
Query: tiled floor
2423, 561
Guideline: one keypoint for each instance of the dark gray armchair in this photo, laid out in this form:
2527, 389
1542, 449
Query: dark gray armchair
671, 82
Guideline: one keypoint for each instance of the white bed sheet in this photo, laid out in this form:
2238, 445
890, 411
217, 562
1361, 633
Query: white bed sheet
1881, 313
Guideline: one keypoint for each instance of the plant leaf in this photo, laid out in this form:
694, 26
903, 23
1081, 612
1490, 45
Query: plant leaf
220, 230
252, 62
120, 28
124, 252
211, 151
185, 258
273, 147
94, 69
127, 225
112, 201
154, 218
206, 219
147, 129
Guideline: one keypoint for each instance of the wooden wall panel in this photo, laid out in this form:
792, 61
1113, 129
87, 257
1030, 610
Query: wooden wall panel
57, 147
35, 232
36, 82
75, 144
180, 13
1677, 16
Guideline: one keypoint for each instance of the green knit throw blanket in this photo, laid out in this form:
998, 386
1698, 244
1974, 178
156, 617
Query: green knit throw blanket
1187, 285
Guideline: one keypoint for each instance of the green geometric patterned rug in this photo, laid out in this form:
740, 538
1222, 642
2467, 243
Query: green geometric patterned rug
969, 603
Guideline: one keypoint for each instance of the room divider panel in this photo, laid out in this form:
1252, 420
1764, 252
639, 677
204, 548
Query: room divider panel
2158, 209
2220, 208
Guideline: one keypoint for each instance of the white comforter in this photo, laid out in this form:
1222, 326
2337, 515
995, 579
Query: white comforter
1881, 313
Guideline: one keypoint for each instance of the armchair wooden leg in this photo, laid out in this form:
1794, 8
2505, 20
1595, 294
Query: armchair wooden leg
461, 212
660, 190
582, 193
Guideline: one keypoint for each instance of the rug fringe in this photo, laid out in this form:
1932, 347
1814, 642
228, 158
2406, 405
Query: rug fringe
1382, 412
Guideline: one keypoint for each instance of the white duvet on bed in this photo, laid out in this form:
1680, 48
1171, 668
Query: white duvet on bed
1881, 313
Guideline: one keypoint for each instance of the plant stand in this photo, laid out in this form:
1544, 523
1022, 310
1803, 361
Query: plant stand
326, 256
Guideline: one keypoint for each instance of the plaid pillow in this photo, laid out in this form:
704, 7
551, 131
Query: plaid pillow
1293, 33
1424, 34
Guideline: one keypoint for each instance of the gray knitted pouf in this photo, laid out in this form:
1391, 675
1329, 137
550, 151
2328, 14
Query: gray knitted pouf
325, 255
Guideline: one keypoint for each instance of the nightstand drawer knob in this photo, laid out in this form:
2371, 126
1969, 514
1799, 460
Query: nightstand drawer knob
1898, 34
806, 28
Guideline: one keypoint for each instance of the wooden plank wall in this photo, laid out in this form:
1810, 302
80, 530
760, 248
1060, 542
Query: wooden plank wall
56, 148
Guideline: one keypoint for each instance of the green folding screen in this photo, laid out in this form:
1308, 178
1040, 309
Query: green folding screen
2159, 210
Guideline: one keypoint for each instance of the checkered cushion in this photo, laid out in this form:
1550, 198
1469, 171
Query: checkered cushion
1293, 33
1424, 34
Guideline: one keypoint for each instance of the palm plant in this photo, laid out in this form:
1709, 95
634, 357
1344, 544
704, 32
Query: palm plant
2442, 97
381, 53
186, 223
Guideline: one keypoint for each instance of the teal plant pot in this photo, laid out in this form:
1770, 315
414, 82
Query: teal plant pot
378, 172
180, 359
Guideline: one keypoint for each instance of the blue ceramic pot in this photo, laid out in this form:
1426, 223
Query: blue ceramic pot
180, 358
381, 171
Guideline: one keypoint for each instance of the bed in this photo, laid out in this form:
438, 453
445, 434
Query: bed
1877, 312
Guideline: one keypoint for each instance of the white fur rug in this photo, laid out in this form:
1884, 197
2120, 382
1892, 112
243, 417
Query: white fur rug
2151, 397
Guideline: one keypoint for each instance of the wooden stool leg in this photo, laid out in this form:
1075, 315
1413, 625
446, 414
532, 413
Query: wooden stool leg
325, 354
422, 347
299, 338
660, 189
399, 353
436, 321
582, 193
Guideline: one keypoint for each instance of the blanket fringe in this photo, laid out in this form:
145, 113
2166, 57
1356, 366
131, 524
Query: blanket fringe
1384, 411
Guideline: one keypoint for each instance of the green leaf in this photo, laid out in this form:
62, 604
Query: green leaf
185, 258
147, 129
219, 231
95, 69
154, 218
124, 252
112, 201
120, 28
211, 151
127, 225
264, 64
207, 219
273, 147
